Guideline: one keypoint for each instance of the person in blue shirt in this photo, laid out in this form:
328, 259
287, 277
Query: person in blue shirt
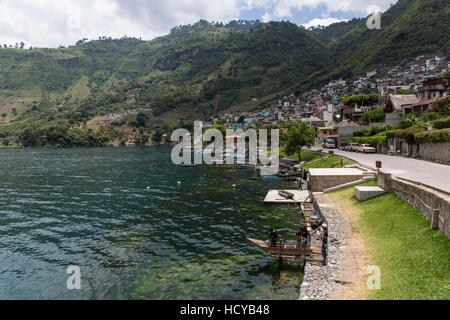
324, 253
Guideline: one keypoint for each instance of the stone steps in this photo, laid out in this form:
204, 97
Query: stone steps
366, 193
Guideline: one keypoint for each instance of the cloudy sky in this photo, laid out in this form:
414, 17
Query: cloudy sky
50, 23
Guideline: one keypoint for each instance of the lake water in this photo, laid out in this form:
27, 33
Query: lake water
137, 226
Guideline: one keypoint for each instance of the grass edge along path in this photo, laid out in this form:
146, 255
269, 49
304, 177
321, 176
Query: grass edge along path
414, 260
314, 160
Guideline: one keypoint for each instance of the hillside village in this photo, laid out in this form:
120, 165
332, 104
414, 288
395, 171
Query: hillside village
412, 86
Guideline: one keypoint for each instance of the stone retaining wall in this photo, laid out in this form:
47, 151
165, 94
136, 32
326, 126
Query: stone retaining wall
434, 152
321, 182
432, 204
437, 152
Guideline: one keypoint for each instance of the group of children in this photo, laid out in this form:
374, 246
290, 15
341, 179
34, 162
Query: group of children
302, 239
301, 236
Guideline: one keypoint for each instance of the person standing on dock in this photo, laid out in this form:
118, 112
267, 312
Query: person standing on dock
325, 245
325, 235
324, 253
273, 237
299, 236
305, 235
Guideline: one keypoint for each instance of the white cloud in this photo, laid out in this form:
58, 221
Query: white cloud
324, 22
280, 9
63, 22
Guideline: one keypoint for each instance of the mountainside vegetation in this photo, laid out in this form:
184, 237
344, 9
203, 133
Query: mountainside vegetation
202, 69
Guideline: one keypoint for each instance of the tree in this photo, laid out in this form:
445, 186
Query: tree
220, 128
157, 137
297, 136
362, 99
375, 115
142, 120
403, 91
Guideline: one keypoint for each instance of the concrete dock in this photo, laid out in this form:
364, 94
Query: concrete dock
299, 197
322, 179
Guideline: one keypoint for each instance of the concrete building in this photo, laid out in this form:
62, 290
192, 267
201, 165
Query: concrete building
433, 88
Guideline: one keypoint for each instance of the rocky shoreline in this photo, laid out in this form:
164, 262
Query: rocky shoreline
331, 281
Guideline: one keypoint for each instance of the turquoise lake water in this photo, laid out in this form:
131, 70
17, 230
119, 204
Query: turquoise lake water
135, 232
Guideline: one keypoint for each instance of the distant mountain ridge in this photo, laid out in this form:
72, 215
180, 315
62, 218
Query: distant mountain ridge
206, 68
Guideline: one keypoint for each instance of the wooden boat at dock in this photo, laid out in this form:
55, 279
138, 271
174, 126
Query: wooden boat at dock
286, 194
283, 249
286, 174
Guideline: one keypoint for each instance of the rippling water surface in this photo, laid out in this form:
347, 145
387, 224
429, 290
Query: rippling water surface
137, 226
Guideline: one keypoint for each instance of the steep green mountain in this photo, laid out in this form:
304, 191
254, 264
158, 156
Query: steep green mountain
205, 68
408, 29
194, 67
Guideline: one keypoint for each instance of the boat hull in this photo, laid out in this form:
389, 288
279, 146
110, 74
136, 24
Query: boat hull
284, 249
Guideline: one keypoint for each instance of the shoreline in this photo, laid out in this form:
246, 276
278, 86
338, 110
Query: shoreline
342, 277
79, 147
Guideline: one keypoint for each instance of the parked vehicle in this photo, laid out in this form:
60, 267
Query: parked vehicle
329, 144
366, 148
352, 147
343, 146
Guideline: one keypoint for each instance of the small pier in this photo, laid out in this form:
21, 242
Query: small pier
299, 197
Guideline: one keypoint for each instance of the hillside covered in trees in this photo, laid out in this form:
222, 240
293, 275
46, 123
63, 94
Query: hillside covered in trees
203, 69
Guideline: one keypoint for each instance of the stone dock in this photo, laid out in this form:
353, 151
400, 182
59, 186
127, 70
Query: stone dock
333, 280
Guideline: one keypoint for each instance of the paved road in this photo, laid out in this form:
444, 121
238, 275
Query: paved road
428, 173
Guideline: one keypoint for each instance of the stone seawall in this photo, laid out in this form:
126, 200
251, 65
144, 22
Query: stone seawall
330, 281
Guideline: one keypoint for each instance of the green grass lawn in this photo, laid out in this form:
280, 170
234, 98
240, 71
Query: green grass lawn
306, 156
309, 157
414, 260
328, 162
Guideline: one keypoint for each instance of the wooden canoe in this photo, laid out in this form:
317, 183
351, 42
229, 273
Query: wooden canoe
287, 249
287, 195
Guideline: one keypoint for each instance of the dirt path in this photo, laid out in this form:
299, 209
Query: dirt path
344, 276
354, 261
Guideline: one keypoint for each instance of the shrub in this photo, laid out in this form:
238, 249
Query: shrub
406, 134
375, 115
372, 131
409, 121
434, 136
379, 140
441, 123
362, 99
430, 117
